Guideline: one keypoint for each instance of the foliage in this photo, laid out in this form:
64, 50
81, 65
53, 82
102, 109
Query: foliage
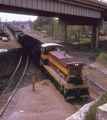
75, 34
103, 29
94, 56
102, 57
91, 114
48, 28
41, 21
84, 48
54, 30
48, 24
57, 30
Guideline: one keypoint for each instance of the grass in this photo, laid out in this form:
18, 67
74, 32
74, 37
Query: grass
100, 53
82, 40
102, 57
34, 31
91, 114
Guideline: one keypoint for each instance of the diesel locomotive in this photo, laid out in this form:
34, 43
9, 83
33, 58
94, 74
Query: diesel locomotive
65, 71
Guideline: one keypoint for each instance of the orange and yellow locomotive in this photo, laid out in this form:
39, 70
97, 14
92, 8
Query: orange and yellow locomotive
66, 71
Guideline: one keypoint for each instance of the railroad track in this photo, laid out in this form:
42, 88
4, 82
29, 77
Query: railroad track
78, 104
13, 84
75, 106
95, 87
9, 62
98, 68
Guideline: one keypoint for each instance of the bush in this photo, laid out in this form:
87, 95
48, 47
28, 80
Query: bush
84, 48
91, 114
102, 57
93, 57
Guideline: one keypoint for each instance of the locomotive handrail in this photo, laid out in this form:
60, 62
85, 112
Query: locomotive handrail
67, 83
86, 79
60, 78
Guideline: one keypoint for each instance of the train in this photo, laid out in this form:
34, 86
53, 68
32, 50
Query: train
66, 72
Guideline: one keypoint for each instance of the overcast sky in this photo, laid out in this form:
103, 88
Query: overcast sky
17, 17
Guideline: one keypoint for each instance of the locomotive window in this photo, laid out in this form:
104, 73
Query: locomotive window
51, 48
77, 71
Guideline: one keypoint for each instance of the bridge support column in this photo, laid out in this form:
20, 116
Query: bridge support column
64, 32
63, 29
95, 36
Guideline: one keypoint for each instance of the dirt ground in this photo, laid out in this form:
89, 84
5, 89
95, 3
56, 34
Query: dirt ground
11, 44
45, 103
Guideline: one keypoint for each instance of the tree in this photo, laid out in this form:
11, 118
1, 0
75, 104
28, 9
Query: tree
57, 30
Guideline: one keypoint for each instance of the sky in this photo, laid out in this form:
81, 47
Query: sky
17, 17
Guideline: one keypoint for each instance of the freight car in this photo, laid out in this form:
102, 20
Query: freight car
12, 29
65, 71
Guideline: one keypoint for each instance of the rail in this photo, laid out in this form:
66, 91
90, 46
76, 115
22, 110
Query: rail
16, 87
94, 91
3, 90
98, 85
98, 68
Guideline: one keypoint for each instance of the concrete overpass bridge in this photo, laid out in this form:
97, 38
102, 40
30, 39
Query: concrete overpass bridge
69, 12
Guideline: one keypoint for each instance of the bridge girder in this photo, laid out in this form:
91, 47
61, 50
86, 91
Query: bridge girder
55, 7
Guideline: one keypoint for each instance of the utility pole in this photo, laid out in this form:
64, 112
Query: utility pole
78, 39
29, 22
0, 24
19, 22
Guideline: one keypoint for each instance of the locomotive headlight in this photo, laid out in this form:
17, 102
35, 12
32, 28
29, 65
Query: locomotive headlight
76, 64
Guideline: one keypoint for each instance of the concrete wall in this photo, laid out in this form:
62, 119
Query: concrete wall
102, 112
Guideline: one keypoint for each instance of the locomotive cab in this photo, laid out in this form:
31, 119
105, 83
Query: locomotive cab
46, 48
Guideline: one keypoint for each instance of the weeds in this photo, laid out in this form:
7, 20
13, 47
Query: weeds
102, 57
91, 114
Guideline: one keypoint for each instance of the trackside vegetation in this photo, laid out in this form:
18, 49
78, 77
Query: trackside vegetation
91, 114
102, 57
